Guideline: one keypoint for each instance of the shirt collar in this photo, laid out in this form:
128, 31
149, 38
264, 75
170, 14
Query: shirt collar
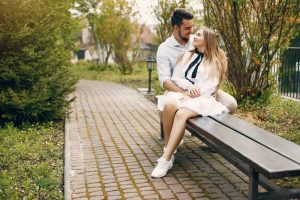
175, 43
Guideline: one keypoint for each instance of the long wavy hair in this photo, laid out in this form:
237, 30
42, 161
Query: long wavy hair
214, 55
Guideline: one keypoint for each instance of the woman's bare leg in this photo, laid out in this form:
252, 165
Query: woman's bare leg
177, 130
168, 115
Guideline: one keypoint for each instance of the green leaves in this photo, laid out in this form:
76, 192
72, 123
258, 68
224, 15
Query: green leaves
34, 60
254, 33
163, 12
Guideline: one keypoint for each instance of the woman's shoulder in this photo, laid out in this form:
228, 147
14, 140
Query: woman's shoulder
187, 55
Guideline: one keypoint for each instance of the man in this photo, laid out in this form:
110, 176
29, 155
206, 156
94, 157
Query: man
169, 50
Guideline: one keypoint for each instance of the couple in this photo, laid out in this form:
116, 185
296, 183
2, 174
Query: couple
193, 85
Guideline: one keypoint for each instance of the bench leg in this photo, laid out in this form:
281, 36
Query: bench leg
161, 130
161, 126
253, 185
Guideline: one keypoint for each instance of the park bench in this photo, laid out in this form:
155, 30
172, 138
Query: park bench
260, 154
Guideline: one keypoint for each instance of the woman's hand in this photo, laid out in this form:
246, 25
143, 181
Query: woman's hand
194, 91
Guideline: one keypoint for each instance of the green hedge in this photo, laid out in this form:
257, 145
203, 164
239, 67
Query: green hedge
35, 43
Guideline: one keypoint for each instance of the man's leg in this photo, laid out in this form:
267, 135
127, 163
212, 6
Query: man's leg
227, 100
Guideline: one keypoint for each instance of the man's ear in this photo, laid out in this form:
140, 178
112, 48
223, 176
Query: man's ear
176, 28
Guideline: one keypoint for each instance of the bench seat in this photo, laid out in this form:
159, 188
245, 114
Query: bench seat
258, 153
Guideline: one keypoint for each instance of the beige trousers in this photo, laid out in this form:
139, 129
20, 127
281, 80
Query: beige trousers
227, 100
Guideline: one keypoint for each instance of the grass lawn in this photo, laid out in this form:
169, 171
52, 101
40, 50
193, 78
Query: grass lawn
31, 162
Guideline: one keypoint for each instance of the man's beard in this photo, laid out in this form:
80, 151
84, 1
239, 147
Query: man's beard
182, 37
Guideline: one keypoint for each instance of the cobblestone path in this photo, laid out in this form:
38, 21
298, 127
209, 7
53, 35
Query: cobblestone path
112, 146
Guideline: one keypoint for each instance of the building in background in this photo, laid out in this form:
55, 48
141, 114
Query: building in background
86, 49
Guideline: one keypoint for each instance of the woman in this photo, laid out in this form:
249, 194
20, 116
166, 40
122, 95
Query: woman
199, 72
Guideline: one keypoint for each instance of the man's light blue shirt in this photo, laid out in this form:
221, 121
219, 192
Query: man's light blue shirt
166, 57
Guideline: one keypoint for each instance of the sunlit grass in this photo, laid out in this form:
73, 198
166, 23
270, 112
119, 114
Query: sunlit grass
138, 79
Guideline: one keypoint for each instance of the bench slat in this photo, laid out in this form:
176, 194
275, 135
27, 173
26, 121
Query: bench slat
261, 158
270, 140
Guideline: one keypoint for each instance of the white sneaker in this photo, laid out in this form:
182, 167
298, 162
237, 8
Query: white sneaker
161, 168
181, 142
173, 156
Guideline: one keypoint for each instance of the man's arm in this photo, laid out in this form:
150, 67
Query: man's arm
164, 70
171, 86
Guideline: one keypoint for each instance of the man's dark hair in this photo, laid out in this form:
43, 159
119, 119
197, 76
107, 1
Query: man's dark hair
180, 14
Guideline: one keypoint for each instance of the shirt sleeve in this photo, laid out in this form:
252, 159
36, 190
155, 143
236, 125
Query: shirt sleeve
164, 68
178, 77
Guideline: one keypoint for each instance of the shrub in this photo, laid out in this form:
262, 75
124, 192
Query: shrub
35, 43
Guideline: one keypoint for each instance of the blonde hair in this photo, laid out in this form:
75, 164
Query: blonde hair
214, 55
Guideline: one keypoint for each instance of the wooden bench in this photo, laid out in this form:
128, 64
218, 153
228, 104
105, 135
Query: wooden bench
261, 155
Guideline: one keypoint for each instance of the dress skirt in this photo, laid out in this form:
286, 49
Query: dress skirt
204, 106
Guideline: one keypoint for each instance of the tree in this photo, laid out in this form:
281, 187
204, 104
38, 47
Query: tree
254, 34
124, 36
113, 30
34, 59
93, 12
163, 12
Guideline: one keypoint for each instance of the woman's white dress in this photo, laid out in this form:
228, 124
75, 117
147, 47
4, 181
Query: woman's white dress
206, 103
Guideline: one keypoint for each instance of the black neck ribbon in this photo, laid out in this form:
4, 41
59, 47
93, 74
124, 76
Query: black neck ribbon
195, 62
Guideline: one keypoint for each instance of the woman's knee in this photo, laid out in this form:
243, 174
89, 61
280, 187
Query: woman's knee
170, 104
181, 115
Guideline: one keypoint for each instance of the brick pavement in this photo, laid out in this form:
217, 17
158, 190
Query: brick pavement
112, 146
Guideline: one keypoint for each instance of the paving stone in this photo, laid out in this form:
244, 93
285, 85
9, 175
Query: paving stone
94, 189
149, 192
94, 185
111, 189
81, 198
197, 194
135, 198
170, 180
177, 188
97, 198
79, 195
160, 185
184, 196
166, 194
152, 196
98, 193
131, 195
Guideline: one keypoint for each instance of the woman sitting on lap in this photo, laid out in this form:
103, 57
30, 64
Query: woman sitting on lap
200, 72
